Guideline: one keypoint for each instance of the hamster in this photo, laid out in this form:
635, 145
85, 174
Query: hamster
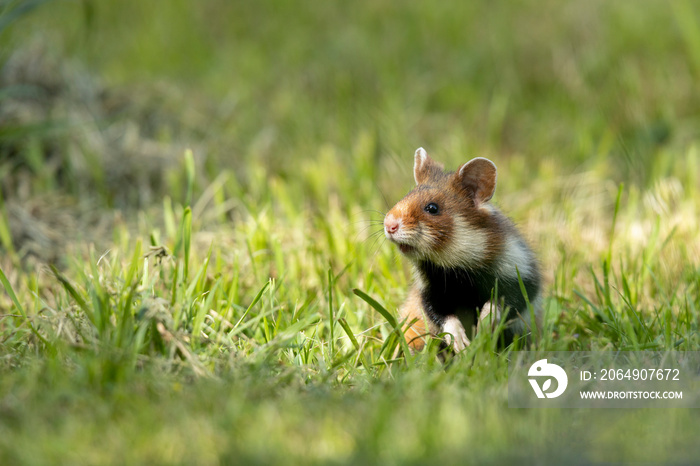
462, 248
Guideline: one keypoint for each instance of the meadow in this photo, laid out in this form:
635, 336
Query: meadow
191, 197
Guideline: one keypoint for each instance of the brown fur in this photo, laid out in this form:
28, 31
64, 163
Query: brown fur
415, 323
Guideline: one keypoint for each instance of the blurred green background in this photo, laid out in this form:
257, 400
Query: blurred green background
243, 340
576, 86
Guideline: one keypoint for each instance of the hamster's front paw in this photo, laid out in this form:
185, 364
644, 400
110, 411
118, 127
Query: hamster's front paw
456, 335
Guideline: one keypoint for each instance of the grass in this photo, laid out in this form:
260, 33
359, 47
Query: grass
235, 302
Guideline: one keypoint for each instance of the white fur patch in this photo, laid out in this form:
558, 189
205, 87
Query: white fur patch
466, 248
488, 207
515, 254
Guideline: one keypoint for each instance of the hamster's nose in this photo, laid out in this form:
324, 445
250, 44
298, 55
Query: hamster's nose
391, 225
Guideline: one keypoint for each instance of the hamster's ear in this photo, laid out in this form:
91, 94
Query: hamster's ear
424, 167
478, 177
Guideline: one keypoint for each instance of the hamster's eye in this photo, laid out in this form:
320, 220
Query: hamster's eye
432, 208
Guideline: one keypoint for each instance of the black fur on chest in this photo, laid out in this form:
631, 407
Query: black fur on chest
464, 292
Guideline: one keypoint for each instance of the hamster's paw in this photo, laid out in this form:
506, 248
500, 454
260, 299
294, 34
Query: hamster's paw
456, 335
489, 316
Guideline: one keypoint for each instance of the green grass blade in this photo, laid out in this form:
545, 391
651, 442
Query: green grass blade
377, 307
68, 286
620, 189
134, 264
351, 336
251, 306
5, 236
189, 170
8, 289
534, 328
186, 240
331, 318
